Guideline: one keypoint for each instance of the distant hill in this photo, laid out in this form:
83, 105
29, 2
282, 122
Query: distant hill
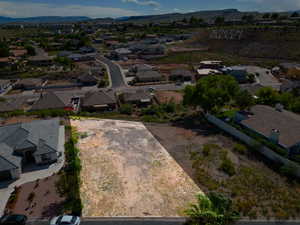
207, 15
43, 19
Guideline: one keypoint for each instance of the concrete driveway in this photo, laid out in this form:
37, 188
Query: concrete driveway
127, 172
265, 77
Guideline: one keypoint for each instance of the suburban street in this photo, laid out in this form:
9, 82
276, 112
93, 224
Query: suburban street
117, 80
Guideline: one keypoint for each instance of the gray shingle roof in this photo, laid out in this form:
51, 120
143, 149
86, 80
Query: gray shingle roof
41, 135
97, 98
149, 74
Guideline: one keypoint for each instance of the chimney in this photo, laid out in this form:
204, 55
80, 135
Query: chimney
274, 136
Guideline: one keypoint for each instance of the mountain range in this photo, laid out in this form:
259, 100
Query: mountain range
43, 19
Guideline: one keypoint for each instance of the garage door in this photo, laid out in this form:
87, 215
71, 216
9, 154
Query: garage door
5, 175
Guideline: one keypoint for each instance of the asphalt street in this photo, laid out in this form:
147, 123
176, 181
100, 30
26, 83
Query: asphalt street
116, 75
157, 221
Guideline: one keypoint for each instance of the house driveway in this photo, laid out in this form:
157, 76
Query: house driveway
35, 174
127, 172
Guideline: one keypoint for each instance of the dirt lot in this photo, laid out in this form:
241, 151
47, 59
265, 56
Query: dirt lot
126, 172
45, 203
168, 96
256, 190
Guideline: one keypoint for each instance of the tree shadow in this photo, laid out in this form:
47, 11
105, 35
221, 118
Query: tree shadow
52, 210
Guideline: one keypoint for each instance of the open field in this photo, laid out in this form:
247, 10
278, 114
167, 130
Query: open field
126, 172
218, 163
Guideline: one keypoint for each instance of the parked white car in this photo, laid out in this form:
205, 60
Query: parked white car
65, 220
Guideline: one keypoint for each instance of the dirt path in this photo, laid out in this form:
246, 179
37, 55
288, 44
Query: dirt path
126, 172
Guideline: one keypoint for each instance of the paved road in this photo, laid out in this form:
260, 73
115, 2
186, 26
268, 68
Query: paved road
159, 221
116, 75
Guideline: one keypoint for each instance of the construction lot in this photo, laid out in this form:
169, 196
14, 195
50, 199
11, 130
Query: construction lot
127, 172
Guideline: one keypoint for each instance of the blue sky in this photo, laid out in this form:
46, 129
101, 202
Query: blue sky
119, 8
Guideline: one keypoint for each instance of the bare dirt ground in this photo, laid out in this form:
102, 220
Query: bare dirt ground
168, 96
46, 202
257, 191
127, 172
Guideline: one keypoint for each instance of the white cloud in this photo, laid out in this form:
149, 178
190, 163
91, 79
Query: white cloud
143, 2
275, 5
17, 9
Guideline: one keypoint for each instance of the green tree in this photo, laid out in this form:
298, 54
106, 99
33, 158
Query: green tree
4, 49
212, 93
30, 50
274, 16
286, 99
219, 20
248, 18
267, 96
266, 16
214, 209
244, 100
126, 109
295, 14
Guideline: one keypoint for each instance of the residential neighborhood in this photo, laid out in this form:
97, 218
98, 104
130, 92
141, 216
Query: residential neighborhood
174, 117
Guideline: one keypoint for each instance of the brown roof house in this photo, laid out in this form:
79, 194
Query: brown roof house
276, 124
139, 98
36, 142
98, 101
148, 76
57, 100
181, 75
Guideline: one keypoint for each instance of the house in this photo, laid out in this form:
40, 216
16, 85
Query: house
5, 61
181, 75
211, 64
4, 85
238, 72
57, 100
98, 101
153, 50
87, 49
40, 60
6, 106
120, 54
138, 98
64, 53
276, 124
148, 76
36, 142
87, 80
29, 84
82, 57
206, 72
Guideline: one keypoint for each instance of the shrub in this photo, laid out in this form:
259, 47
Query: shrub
206, 150
228, 167
126, 109
31, 196
289, 171
240, 148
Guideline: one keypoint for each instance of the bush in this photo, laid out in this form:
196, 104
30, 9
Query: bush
228, 167
126, 109
240, 149
69, 182
31, 197
288, 171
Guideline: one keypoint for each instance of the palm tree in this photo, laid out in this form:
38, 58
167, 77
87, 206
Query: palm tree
214, 209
